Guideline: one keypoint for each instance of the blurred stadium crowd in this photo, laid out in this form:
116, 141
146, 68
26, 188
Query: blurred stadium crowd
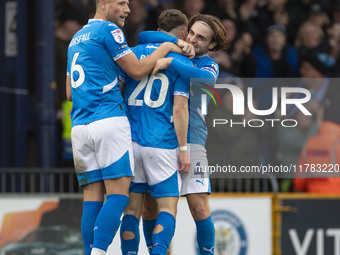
253, 26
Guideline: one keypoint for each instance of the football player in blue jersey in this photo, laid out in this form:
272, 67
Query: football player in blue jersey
101, 136
157, 108
205, 33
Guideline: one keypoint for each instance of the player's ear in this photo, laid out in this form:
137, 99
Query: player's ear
158, 29
184, 33
212, 45
102, 4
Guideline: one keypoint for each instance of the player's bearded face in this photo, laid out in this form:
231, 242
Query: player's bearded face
117, 11
200, 37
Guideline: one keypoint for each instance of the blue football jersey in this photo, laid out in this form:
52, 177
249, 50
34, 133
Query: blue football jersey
94, 73
150, 102
208, 72
197, 126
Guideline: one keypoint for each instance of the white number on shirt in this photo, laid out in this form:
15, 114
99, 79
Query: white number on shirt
79, 69
148, 83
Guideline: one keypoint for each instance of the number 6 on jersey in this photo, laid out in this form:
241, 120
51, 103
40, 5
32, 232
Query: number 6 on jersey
79, 69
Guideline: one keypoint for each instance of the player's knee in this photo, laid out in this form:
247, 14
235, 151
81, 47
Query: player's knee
132, 210
128, 235
159, 228
200, 213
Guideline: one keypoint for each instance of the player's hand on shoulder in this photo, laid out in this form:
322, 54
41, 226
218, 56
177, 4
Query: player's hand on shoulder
161, 64
187, 49
184, 162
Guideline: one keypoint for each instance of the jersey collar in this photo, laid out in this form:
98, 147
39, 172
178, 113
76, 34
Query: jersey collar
93, 20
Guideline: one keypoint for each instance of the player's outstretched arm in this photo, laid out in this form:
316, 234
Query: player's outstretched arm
138, 69
160, 37
155, 37
181, 122
185, 70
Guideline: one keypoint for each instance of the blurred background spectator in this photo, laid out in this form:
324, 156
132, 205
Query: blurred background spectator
274, 57
323, 149
310, 39
315, 71
135, 22
290, 142
238, 59
333, 33
192, 7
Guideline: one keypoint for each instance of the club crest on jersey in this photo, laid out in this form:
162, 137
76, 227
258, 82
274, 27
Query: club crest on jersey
118, 35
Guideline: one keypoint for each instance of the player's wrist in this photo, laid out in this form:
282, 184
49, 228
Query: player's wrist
183, 148
169, 61
179, 43
175, 48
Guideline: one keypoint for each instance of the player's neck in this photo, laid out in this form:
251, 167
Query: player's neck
201, 55
99, 15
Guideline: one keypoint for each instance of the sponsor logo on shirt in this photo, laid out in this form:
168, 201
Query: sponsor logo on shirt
122, 47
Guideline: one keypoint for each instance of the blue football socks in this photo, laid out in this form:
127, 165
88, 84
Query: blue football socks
161, 240
108, 220
129, 224
91, 210
148, 226
205, 236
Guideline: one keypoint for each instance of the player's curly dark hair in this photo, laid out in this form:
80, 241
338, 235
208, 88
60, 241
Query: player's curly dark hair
215, 24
